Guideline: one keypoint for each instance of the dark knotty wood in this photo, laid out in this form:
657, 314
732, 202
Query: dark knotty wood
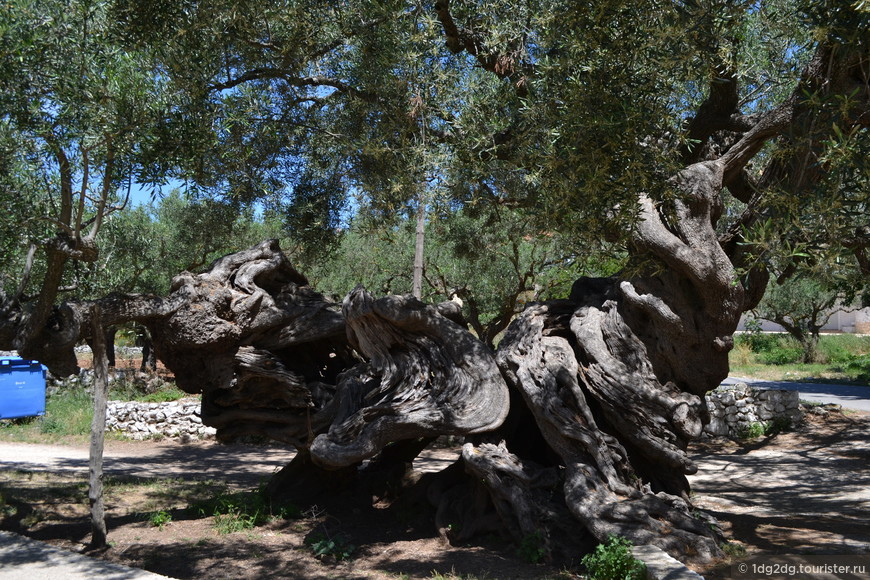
263, 348
599, 411
425, 376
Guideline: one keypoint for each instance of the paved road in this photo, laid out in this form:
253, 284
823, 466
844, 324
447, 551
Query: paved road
25, 559
849, 396
238, 465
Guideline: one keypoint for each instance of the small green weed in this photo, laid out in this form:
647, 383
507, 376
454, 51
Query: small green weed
452, 575
236, 512
751, 431
164, 395
613, 560
159, 518
6, 509
733, 550
335, 547
533, 547
234, 520
766, 428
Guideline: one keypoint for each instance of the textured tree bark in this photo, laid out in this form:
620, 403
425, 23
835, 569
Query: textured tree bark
261, 346
605, 396
425, 376
149, 359
618, 434
98, 434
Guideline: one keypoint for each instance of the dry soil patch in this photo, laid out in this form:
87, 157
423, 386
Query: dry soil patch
807, 491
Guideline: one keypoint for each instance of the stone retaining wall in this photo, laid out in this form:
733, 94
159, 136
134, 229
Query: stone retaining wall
734, 408
176, 419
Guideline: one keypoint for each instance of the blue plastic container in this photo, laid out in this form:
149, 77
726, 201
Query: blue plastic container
22, 388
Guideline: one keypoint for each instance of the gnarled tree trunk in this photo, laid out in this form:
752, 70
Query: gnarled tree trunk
261, 346
425, 376
614, 379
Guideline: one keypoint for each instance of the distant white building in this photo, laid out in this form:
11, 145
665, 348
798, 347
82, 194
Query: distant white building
852, 321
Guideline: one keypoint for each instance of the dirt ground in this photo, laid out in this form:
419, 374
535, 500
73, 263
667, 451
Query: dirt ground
806, 491
183, 481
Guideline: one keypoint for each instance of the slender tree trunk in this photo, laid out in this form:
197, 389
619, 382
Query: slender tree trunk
110, 344
35, 323
418, 247
149, 360
810, 346
98, 431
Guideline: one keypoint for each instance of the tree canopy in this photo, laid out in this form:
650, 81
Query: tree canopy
572, 112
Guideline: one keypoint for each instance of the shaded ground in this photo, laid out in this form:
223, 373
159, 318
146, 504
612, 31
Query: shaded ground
185, 481
802, 492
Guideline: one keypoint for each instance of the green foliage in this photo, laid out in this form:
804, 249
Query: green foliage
68, 412
6, 509
839, 350
495, 262
164, 395
235, 512
843, 348
782, 354
765, 428
734, 550
802, 306
133, 389
234, 520
159, 518
859, 367
321, 109
613, 560
77, 107
145, 247
755, 339
772, 348
533, 548
452, 575
751, 431
333, 547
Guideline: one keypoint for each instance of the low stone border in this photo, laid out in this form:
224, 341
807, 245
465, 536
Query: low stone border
175, 419
734, 408
661, 566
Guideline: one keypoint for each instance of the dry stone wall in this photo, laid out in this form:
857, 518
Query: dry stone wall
734, 408
176, 419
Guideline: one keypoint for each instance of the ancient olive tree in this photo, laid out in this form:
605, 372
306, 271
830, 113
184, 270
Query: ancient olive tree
631, 125
615, 376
